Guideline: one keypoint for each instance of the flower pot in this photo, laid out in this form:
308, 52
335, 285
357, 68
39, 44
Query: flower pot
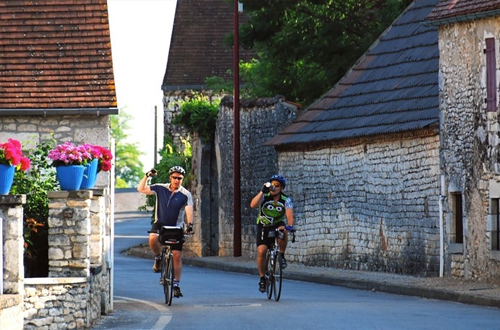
70, 176
89, 175
6, 178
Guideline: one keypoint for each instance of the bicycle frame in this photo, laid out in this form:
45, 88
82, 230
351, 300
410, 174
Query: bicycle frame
167, 273
274, 273
168, 236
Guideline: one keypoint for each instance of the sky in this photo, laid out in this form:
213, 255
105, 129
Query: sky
140, 41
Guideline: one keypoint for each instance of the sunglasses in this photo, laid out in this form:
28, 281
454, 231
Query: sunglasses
177, 177
276, 184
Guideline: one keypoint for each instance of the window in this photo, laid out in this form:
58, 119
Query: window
491, 75
457, 230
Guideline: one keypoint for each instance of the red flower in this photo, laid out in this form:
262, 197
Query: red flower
102, 154
11, 153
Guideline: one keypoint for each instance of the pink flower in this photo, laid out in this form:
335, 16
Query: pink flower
69, 154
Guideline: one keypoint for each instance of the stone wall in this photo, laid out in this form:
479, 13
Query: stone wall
56, 303
56, 300
78, 288
11, 261
369, 204
259, 121
470, 148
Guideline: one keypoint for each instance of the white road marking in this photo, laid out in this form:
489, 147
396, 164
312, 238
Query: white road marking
163, 320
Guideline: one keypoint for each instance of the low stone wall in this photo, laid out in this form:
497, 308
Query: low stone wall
11, 311
57, 303
11, 239
78, 288
62, 303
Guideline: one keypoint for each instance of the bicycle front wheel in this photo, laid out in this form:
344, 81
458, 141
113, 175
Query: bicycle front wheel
277, 278
269, 275
168, 279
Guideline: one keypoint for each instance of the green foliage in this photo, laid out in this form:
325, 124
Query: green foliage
129, 169
35, 184
249, 86
198, 115
219, 85
306, 46
171, 156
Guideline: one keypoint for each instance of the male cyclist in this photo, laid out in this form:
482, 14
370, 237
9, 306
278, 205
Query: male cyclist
275, 211
173, 204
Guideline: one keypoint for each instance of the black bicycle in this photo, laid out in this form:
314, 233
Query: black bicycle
274, 262
168, 236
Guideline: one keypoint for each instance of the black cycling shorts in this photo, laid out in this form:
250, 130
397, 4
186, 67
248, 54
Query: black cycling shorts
263, 234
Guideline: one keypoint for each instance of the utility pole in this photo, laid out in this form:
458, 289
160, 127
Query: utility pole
236, 138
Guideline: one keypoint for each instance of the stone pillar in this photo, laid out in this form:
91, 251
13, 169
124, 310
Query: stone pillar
97, 233
11, 215
69, 233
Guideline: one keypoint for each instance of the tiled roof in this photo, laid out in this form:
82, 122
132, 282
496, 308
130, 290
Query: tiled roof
55, 54
392, 88
196, 47
449, 9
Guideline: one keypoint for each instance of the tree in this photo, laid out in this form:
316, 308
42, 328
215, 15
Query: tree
129, 169
306, 46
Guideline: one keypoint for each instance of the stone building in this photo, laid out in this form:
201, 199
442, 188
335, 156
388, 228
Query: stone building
470, 169
57, 73
197, 52
362, 162
57, 83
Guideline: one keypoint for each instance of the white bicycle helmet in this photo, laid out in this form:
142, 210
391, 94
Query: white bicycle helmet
176, 169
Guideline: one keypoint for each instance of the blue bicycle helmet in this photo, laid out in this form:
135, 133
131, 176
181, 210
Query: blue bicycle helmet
280, 179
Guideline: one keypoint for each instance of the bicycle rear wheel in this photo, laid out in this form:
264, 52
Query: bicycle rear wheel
269, 276
168, 279
277, 278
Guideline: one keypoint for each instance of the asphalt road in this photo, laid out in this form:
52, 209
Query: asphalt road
215, 299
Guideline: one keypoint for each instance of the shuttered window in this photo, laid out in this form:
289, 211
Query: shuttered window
491, 75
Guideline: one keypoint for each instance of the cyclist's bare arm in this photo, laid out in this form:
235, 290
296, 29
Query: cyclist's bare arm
289, 216
189, 216
143, 187
256, 200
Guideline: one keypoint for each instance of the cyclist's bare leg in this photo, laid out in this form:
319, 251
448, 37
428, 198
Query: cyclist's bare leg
154, 245
177, 264
261, 259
